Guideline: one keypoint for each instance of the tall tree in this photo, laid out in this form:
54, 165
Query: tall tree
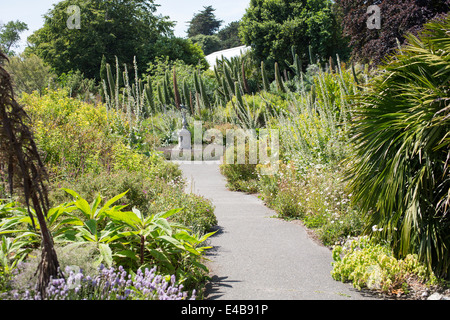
209, 44
272, 27
29, 73
397, 17
107, 27
10, 35
204, 22
229, 35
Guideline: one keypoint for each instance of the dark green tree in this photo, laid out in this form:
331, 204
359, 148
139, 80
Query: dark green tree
204, 22
10, 35
229, 35
186, 50
271, 28
107, 27
209, 44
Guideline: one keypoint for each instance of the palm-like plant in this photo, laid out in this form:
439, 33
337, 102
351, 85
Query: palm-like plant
400, 171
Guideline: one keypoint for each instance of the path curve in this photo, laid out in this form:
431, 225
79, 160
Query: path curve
256, 256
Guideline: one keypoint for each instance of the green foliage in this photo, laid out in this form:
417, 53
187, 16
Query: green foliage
10, 35
240, 176
78, 86
316, 196
124, 30
209, 44
273, 27
204, 22
188, 84
316, 129
373, 266
74, 135
160, 192
400, 171
128, 238
229, 36
29, 73
235, 72
186, 50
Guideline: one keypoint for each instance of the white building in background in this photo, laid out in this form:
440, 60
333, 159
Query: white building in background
228, 53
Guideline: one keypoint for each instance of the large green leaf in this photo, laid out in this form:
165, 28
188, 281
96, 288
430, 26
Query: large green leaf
92, 226
163, 259
172, 241
127, 254
127, 217
167, 214
106, 254
110, 202
164, 225
84, 207
183, 235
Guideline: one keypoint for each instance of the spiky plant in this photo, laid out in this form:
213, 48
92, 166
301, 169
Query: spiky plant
400, 175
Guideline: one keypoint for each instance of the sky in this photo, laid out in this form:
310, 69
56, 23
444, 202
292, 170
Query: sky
181, 11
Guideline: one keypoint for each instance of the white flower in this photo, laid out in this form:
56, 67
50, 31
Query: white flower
375, 229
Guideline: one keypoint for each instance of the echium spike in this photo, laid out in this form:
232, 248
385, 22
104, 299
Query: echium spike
278, 79
176, 91
244, 79
148, 89
111, 82
264, 77
204, 95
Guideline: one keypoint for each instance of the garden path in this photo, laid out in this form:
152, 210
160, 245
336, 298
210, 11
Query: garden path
256, 256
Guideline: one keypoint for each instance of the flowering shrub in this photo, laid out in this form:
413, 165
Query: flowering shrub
77, 137
316, 196
108, 284
132, 239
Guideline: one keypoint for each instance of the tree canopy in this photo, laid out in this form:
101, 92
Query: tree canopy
204, 30
398, 18
204, 22
107, 27
229, 35
272, 27
10, 35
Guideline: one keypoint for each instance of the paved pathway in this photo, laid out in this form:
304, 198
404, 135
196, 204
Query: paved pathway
256, 256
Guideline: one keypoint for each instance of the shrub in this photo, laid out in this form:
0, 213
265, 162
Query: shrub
72, 135
317, 197
128, 238
399, 173
240, 176
197, 213
29, 73
373, 266
315, 131
149, 194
